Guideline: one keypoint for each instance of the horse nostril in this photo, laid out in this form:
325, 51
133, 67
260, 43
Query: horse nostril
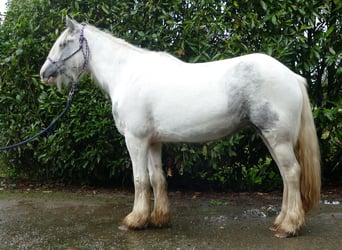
43, 75
49, 72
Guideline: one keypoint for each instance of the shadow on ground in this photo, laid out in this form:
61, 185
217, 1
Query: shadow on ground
44, 219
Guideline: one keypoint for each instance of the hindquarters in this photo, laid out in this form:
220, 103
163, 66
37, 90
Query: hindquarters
287, 128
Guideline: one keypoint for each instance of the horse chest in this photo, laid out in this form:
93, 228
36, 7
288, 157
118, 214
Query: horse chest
132, 118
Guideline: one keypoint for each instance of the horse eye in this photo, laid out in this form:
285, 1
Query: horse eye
62, 45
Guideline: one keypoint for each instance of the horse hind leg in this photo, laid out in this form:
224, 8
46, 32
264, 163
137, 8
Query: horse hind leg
291, 218
161, 215
283, 210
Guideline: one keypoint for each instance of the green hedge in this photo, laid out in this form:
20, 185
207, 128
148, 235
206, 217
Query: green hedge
85, 146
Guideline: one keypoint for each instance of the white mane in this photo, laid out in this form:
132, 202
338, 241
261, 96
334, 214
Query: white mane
114, 39
121, 42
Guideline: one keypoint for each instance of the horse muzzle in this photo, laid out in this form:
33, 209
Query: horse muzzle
48, 74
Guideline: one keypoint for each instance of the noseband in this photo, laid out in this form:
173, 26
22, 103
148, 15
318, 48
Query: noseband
84, 48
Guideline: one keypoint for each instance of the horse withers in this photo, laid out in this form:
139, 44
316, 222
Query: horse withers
157, 98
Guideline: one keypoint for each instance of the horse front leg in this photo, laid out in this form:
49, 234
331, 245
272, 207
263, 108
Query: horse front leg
161, 215
140, 215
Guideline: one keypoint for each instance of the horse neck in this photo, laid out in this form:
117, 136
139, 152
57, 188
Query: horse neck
108, 57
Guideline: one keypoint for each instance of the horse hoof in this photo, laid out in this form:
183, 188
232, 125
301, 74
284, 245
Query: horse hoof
282, 234
160, 220
273, 228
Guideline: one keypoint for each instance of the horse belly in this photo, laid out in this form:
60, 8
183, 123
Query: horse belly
196, 122
194, 132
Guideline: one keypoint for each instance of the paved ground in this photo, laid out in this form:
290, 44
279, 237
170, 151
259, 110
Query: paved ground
50, 219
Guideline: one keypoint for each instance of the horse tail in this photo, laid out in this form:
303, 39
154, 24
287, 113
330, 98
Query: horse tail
308, 154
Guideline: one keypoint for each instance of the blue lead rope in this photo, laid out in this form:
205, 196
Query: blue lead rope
48, 128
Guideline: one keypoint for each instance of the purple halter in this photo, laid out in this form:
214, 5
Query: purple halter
84, 48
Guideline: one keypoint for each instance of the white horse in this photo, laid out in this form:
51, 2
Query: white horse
157, 98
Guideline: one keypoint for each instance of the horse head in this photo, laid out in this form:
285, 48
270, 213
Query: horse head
68, 57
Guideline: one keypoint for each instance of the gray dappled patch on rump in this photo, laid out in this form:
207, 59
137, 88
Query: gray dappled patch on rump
263, 117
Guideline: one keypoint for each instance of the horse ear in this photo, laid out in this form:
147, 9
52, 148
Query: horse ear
71, 24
